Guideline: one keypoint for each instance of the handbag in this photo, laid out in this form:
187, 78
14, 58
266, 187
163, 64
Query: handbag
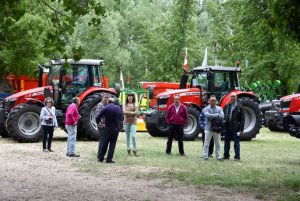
49, 121
217, 125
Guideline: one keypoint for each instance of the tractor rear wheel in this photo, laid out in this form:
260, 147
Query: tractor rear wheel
192, 130
23, 123
253, 118
87, 123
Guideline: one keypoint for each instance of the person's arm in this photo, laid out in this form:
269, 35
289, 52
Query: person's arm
101, 114
168, 115
44, 114
186, 116
208, 115
221, 113
55, 119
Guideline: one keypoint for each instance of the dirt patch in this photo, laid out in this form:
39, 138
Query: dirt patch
27, 173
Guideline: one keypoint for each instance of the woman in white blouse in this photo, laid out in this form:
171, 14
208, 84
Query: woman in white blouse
49, 122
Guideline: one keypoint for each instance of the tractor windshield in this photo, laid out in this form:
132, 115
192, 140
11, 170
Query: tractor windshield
218, 83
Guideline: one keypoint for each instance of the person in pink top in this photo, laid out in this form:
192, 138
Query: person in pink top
72, 117
176, 118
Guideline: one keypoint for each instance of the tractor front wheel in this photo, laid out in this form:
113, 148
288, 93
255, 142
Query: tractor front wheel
23, 123
253, 118
192, 130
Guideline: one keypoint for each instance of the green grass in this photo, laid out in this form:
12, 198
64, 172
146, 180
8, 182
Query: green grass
269, 166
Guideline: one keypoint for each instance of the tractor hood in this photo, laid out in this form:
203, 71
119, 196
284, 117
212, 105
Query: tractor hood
31, 93
289, 97
178, 91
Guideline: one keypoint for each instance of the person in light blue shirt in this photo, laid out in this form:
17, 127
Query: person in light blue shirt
213, 113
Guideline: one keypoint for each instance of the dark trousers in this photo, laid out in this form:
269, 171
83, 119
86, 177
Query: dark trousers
109, 137
175, 129
230, 134
47, 136
100, 131
211, 144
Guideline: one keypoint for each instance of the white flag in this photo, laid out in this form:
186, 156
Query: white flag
204, 62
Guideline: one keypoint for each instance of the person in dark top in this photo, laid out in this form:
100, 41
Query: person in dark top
112, 115
176, 118
234, 126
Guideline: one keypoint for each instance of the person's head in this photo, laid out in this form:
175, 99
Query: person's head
111, 100
213, 100
130, 98
233, 98
177, 100
105, 98
49, 102
76, 100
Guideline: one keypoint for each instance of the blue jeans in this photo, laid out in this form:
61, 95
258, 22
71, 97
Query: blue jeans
228, 135
130, 130
72, 132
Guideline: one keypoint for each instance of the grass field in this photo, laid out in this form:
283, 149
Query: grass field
269, 166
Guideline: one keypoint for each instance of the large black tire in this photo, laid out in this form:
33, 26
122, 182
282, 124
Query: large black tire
3, 131
87, 124
192, 130
158, 130
253, 118
23, 123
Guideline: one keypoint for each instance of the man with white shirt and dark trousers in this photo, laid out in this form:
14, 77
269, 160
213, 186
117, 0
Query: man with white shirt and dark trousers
214, 115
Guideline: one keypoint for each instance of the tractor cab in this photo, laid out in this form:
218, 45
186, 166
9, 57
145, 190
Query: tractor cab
71, 78
215, 80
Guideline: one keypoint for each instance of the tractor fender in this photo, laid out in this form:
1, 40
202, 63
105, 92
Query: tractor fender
35, 101
191, 104
224, 100
92, 90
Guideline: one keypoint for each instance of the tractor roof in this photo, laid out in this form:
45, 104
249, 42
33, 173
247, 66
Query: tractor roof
80, 62
216, 68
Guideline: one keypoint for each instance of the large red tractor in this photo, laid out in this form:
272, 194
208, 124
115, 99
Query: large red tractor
65, 79
291, 106
207, 80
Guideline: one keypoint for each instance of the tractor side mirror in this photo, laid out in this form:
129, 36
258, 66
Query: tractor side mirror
47, 93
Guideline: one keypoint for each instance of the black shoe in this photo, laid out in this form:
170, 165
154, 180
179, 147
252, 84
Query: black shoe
182, 155
100, 160
110, 161
74, 155
168, 153
67, 155
237, 158
50, 150
210, 156
225, 158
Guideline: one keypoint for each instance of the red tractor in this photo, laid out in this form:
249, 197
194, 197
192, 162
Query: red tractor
207, 80
65, 79
291, 106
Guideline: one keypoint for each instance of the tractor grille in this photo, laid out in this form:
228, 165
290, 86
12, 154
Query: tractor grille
284, 105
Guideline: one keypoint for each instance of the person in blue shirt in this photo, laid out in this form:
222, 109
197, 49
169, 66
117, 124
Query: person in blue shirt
202, 123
